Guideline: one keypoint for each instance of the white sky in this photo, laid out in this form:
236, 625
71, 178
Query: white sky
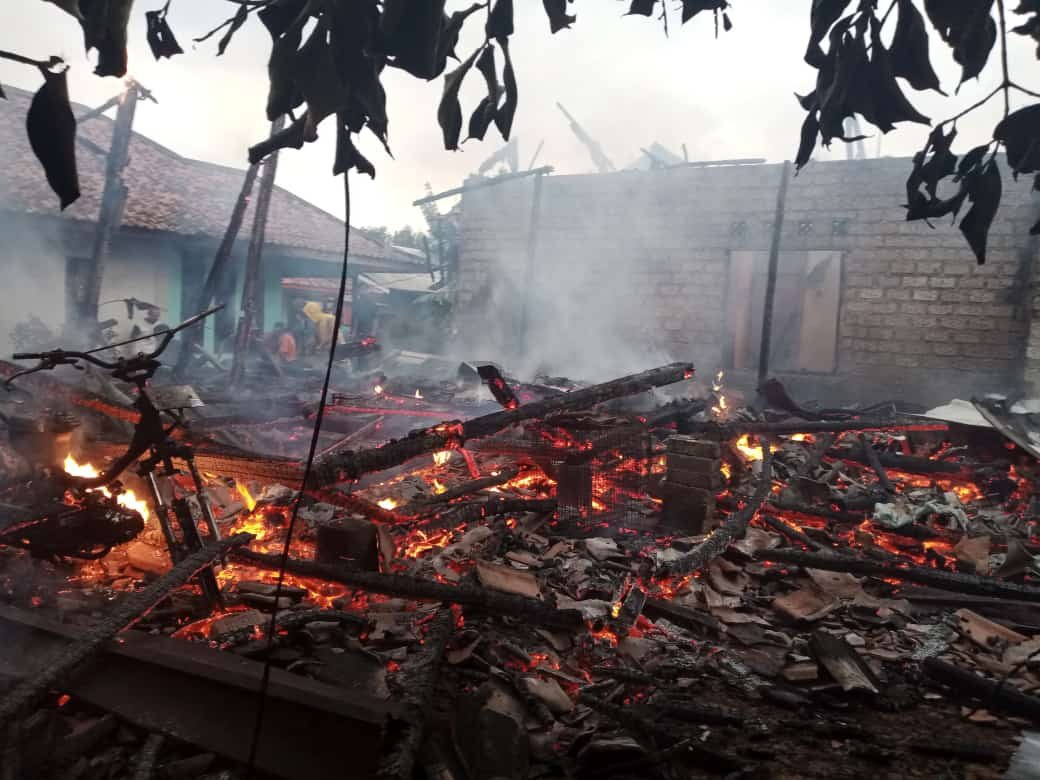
620, 76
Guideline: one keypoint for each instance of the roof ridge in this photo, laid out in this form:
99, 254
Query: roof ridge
136, 135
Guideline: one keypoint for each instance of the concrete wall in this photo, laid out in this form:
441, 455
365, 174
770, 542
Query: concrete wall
646, 256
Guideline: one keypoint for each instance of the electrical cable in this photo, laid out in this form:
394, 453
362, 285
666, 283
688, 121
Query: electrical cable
318, 418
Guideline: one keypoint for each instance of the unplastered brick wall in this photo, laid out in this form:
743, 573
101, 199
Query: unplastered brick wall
918, 318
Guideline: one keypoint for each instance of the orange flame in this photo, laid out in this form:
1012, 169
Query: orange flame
247, 497
750, 453
127, 498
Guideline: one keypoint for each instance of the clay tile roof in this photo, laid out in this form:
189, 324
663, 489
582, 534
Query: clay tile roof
170, 193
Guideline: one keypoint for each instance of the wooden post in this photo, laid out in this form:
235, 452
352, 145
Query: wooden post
253, 285
221, 261
774, 263
532, 248
113, 202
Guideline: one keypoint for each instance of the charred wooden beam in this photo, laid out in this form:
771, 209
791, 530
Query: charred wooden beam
194, 694
362, 506
789, 531
990, 693
936, 578
874, 461
46, 386
451, 435
735, 430
411, 727
778, 504
55, 669
649, 729
462, 489
906, 463
422, 590
733, 529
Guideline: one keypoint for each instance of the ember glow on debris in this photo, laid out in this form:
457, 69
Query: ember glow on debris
386, 503
127, 498
418, 394
749, 452
378, 389
438, 486
247, 498
441, 458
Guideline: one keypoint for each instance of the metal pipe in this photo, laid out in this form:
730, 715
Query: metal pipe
484, 183
774, 263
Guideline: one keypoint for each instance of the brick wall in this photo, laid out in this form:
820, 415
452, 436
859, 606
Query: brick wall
918, 318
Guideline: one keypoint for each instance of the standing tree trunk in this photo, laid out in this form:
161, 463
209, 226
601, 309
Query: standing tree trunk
253, 285
113, 202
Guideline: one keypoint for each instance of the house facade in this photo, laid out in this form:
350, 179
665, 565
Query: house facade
175, 217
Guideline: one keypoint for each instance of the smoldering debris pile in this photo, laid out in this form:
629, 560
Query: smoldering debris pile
585, 582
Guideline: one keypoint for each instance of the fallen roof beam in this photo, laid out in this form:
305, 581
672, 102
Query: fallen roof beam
205, 697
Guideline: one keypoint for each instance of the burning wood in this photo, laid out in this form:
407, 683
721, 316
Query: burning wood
582, 612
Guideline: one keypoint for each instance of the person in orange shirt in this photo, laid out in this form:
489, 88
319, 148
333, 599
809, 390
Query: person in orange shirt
282, 343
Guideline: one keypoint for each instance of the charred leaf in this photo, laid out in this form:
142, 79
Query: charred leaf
484, 115
412, 33
556, 10
52, 135
690, 8
810, 132
160, 37
822, 17
967, 27
971, 160
284, 94
1020, 134
292, 137
642, 7
909, 50
104, 28
280, 15
504, 116
347, 154
315, 74
1031, 26
449, 113
449, 38
500, 20
354, 30
890, 105
984, 189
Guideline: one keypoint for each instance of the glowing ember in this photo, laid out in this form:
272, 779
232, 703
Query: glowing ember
441, 458
750, 453
378, 389
125, 499
800, 437
727, 472
418, 394
387, 503
438, 487
419, 541
246, 496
